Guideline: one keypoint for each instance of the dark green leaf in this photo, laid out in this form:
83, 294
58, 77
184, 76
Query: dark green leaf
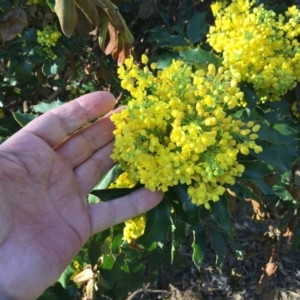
199, 244
254, 170
220, 213
110, 177
201, 57
157, 225
218, 244
23, 119
65, 276
196, 27
191, 210
110, 194
280, 156
51, 4
94, 248
44, 107
250, 95
48, 295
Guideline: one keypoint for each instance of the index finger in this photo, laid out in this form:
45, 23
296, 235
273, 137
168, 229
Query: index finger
57, 124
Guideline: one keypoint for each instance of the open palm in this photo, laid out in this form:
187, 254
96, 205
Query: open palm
46, 172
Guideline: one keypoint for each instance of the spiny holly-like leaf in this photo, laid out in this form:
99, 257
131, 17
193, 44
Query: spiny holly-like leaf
191, 210
23, 119
67, 15
44, 107
110, 194
196, 27
220, 213
218, 244
201, 57
157, 225
110, 177
199, 244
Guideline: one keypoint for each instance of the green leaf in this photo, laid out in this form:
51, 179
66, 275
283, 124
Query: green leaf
52, 67
157, 225
218, 244
201, 57
191, 210
23, 119
196, 27
65, 276
250, 95
51, 4
254, 170
44, 107
199, 244
111, 194
267, 133
95, 244
110, 177
280, 156
220, 213
48, 295
165, 39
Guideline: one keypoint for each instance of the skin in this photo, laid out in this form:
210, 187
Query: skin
46, 171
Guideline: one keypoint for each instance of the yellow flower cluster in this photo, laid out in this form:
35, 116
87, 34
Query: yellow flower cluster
177, 128
48, 38
258, 44
122, 182
296, 109
134, 228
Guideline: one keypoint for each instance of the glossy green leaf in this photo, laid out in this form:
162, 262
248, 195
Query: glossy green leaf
201, 57
199, 244
280, 156
196, 27
109, 177
157, 225
23, 119
190, 210
51, 4
249, 94
65, 276
218, 244
254, 170
220, 213
110, 194
95, 244
44, 107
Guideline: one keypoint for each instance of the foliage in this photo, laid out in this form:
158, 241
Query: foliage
212, 103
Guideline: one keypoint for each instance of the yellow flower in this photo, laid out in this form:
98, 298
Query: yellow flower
180, 130
134, 228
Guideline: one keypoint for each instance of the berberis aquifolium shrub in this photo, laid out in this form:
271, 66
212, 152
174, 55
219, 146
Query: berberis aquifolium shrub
211, 118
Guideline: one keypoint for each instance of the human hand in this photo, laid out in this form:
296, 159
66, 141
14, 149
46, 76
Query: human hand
46, 172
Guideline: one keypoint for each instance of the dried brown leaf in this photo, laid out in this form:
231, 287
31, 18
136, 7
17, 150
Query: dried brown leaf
84, 276
123, 54
13, 23
113, 39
